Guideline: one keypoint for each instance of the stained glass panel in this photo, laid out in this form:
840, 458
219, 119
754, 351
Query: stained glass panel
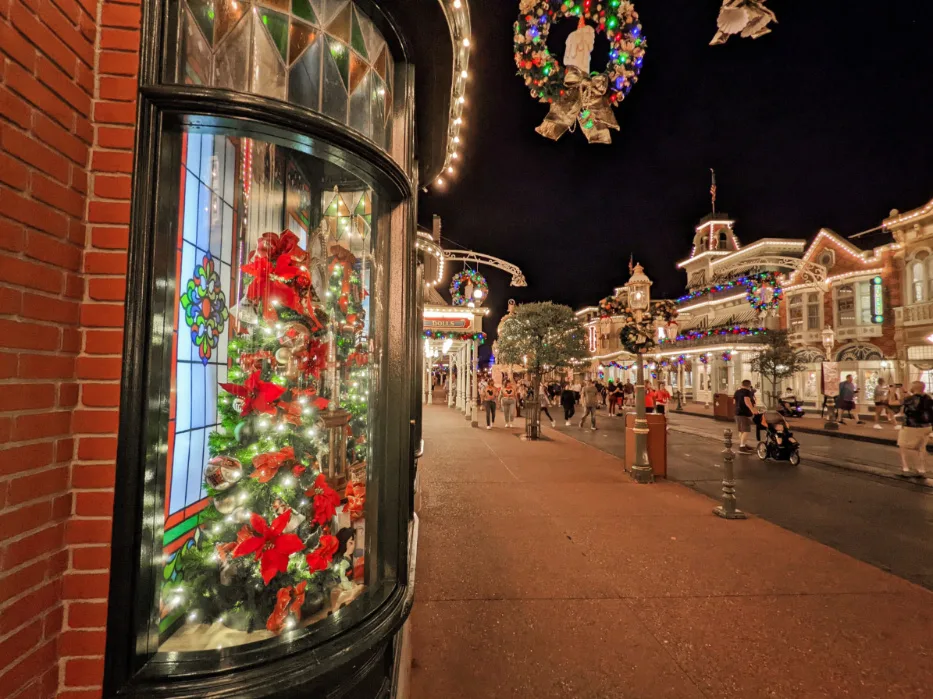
229, 12
356, 36
196, 68
231, 59
300, 36
277, 26
304, 82
303, 9
336, 66
339, 26
378, 109
361, 117
203, 11
267, 74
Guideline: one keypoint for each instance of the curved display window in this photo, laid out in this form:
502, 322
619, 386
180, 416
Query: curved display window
271, 342
324, 55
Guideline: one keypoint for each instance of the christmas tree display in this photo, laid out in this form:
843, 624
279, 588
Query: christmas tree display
276, 547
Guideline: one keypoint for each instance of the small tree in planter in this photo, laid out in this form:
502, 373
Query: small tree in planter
777, 363
543, 337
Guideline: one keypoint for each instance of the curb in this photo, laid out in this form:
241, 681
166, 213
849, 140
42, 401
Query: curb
926, 483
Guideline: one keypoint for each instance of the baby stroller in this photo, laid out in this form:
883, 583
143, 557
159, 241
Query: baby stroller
779, 443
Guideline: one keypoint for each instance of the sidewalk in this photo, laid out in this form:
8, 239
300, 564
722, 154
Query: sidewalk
544, 572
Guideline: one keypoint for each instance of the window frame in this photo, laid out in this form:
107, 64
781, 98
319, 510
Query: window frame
858, 298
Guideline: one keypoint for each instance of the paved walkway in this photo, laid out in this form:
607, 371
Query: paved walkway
543, 572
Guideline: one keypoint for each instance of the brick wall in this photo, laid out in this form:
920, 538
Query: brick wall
67, 90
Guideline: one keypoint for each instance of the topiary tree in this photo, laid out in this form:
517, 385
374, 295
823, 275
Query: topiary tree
778, 362
543, 337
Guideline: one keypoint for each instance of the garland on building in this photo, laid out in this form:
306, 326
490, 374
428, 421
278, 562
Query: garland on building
757, 286
576, 95
718, 331
464, 285
610, 306
640, 337
441, 335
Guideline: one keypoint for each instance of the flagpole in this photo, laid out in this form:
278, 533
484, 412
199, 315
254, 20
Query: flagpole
712, 188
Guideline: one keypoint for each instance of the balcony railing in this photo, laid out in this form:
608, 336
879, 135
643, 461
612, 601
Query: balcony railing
914, 314
712, 340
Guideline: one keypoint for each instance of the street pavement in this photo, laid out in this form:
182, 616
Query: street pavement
850, 499
544, 572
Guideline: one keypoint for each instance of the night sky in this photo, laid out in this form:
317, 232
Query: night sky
825, 122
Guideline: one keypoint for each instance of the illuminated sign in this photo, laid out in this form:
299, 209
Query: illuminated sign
460, 323
877, 301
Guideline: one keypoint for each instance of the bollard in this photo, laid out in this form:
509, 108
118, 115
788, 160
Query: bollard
728, 510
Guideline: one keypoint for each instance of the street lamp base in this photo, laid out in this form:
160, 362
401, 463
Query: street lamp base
729, 514
642, 474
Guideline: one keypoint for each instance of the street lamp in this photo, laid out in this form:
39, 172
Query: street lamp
639, 301
829, 341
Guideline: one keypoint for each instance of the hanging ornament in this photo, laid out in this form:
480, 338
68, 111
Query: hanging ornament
576, 95
223, 472
226, 503
468, 288
749, 18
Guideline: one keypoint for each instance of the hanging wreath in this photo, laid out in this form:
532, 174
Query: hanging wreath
610, 306
465, 284
575, 94
764, 293
639, 338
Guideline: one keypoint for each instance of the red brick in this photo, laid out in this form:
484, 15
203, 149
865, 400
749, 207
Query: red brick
71, 340
100, 395
78, 694
105, 262
62, 84
123, 16
11, 301
112, 186
12, 236
84, 129
35, 92
74, 643
46, 366
25, 273
102, 315
58, 196
21, 642
100, 368
112, 161
27, 335
77, 232
24, 519
89, 30
75, 40
103, 341
89, 7
122, 39
118, 89
83, 672
33, 213
88, 615
38, 485
117, 63
61, 140
92, 557
14, 108
29, 672
24, 579
68, 395
55, 252
9, 365
115, 137
32, 546
6, 431
74, 286
17, 48
110, 237
32, 152
107, 289
13, 173
52, 624
22, 459
85, 585
70, 9
50, 308
78, 180
64, 451
115, 112
91, 476
96, 421
97, 448
35, 604
90, 531
27, 396
43, 425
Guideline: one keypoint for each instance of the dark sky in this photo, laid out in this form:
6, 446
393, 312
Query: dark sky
825, 122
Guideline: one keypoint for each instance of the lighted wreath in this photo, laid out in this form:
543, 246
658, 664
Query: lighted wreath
764, 293
575, 94
464, 287
638, 338
610, 306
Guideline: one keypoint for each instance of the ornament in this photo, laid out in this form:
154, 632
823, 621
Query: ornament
267, 465
280, 507
226, 503
750, 18
222, 472
464, 287
248, 312
238, 404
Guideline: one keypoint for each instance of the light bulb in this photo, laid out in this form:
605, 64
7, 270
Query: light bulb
450, 170
464, 74
456, 4
466, 42
461, 99
440, 182
455, 155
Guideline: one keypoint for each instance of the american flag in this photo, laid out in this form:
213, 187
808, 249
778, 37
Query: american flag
712, 188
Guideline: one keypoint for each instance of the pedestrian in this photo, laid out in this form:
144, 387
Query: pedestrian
661, 398
576, 388
896, 401
882, 403
918, 424
489, 394
545, 403
590, 399
628, 393
568, 402
649, 398
846, 399
744, 410
507, 401
612, 390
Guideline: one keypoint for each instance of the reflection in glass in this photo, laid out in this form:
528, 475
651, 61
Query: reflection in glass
267, 71
196, 68
336, 68
361, 106
268, 459
231, 58
304, 84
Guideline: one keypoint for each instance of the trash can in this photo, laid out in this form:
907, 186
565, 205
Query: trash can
723, 407
657, 443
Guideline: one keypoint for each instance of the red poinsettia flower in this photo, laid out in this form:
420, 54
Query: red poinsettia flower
356, 500
288, 603
257, 394
271, 546
325, 500
225, 550
268, 465
320, 558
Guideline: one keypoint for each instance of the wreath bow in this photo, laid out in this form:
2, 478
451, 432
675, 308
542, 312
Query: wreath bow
582, 100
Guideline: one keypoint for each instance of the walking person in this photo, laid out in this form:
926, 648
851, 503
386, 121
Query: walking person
649, 397
744, 410
613, 398
589, 398
846, 399
882, 403
545, 403
918, 425
507, 401
628, 394
661, 398
568, 402
490, 393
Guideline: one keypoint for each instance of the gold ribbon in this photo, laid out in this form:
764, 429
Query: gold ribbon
584, 100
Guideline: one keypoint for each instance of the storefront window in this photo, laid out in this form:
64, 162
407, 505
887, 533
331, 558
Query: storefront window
796, 313
325, 55
813, 311
273, 340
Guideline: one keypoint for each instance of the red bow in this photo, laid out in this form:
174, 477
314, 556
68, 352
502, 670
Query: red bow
358, 358
273, 245
288, 601
253, 362
325, 499
271, 546
268, 465
257, 394
313, 359
322, 555
356, 500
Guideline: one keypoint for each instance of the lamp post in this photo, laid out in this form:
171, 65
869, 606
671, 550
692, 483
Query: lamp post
639, 301
829, 341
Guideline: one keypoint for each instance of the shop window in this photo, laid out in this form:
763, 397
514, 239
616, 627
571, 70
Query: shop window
325, 55
854, 304
273, 342
814, 311
796, 309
